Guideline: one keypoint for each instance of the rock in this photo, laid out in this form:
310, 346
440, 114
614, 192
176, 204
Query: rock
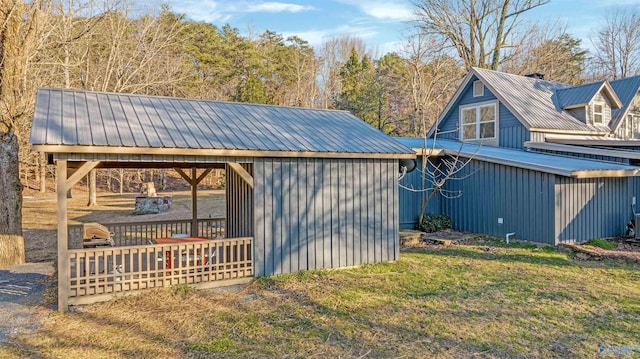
583, 256
152, 205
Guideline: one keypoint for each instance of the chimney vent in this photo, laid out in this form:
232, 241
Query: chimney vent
535, 75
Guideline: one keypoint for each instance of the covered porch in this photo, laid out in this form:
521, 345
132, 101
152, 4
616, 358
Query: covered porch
305, 189
200, 252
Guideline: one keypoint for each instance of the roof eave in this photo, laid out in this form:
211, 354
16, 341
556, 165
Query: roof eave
165, 151
605, 173
508, 162
571, 107
573, 132
452, 100
612, 95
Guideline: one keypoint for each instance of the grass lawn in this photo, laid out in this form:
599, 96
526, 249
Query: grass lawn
460, 301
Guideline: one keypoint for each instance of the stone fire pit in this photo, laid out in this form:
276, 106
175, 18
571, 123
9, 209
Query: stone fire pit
152, 205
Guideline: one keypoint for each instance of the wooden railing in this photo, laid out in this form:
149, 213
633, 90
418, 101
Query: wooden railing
99, 274
139, 233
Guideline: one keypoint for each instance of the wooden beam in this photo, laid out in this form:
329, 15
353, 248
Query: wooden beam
246, 176
63, 236
203, 175
194, 204
79, 173
184, 175
163, 151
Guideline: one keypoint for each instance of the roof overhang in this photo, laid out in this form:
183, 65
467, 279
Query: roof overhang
590, 141
160, 151
583, 150
429, 152
570, 132
595, 173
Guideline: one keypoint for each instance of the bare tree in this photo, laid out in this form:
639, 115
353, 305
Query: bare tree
433, 78
479, 30
435, 171
20, 29
617, 44
548, 49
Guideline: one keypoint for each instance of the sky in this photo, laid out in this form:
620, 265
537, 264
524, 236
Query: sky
382, 24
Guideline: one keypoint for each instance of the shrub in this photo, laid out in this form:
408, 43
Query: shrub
602, 243
435, 222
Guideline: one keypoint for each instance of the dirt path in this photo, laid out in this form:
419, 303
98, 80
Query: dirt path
21, 291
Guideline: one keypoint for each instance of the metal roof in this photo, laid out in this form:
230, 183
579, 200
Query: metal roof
578, 95
592, 140
598, 151
532, 101
626, 89
564, 166
84, 118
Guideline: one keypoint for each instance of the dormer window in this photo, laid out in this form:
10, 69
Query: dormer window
598, 113
478, 88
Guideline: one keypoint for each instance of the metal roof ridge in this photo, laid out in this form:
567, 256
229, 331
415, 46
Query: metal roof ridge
191, 99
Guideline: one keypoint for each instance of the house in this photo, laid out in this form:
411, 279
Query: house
553, 163
303, 192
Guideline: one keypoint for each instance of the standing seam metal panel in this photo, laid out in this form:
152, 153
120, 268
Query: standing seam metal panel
334, 213
592, 208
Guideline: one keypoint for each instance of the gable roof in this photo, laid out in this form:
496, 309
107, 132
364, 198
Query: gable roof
65, 119
530, 100
626, 89
580, 96
563, 166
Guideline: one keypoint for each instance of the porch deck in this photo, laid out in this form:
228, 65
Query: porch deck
98, 274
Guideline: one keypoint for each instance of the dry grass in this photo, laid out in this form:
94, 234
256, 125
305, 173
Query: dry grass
464, 301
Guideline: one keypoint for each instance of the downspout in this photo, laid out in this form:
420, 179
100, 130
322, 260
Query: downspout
509, 235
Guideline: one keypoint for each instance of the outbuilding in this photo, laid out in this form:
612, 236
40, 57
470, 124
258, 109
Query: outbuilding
306, 188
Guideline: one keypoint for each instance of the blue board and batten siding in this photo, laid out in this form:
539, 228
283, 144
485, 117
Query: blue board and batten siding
511, 132
524, 199
537, 206
411, 198
324, 213
592, 208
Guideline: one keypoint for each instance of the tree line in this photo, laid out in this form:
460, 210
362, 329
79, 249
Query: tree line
118, 46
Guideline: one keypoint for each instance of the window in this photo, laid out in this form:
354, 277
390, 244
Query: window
478, 88
633, 127
598, 113
478, 121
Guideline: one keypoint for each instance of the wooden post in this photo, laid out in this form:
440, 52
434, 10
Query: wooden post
63, 239
194, 203
63, 185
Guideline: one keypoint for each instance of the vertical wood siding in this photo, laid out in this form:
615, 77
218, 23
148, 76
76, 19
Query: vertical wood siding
524, 199
410, 201
324, 213
511, 132
592, 208
239, 204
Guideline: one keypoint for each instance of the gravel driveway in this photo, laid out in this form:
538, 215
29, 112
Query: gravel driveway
21, 289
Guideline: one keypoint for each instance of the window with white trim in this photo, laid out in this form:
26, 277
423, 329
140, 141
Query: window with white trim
478, 121
598, 113
478, 88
